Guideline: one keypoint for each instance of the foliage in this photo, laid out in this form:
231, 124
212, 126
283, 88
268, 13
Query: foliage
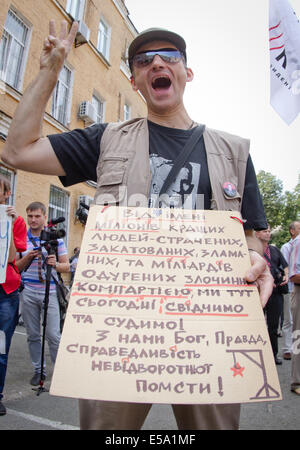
281, 208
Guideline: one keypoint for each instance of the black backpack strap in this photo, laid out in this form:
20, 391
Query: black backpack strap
182, 158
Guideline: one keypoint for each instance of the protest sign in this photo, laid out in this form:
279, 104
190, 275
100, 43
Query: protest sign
160, 312
5, 233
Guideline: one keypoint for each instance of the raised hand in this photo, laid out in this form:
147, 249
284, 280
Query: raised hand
11, 211
56, 49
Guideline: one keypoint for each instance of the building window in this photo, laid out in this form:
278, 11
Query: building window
61, 100
104, 39
59, 207
127, 113
75, 8
13, 48
99, 108
11, 176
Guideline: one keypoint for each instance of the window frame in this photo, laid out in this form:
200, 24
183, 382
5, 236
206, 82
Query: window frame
79, 8
126, 111
107, 34
8, 50
97, 100
55, 211
68, 102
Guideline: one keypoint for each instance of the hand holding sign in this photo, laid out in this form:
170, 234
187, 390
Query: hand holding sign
5, 235
11, 212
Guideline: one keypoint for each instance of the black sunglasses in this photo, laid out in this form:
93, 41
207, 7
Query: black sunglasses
169, 55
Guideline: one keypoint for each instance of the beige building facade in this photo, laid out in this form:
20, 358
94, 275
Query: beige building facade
94, 86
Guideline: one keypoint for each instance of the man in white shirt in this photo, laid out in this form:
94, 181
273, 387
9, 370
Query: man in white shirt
287, 327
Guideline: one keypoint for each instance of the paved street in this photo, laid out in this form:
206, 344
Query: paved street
27, 411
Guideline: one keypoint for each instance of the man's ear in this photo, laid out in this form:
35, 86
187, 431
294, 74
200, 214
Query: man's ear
132, 81
189, 74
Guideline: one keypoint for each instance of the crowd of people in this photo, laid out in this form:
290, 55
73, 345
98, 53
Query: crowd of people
23, 294
282, 309
165, 154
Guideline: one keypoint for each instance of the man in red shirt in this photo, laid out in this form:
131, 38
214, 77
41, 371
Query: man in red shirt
9, 296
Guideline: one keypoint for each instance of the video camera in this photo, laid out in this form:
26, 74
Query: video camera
52, 234
81, 213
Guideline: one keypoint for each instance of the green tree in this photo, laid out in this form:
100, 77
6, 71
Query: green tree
281, 208
273, 199
291, 212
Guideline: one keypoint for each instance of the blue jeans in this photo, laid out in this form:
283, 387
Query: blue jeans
9, 311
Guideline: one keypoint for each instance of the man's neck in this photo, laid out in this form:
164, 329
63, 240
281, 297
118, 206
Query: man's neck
35, 233
175, 119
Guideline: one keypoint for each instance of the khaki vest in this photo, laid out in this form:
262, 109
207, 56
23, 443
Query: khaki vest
124, 175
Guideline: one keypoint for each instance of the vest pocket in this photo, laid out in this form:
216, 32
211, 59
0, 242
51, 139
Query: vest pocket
110, 178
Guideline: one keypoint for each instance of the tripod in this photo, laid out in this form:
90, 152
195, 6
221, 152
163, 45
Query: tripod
50, 247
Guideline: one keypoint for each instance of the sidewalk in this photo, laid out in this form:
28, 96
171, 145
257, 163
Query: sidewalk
277, 415
27, 411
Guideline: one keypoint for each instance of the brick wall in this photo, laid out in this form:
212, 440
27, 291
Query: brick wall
91, 72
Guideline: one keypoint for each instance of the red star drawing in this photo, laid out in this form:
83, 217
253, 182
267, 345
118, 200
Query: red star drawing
237, 370
173, 348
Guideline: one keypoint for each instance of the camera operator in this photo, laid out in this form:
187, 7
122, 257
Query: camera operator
279, 269
32, 263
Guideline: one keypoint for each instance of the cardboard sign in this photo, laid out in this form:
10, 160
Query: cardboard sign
160, 312
5, 234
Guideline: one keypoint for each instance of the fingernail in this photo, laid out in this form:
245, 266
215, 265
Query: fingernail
250, 277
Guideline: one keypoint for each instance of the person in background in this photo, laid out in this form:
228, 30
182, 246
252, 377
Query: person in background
32, 263
73, 264
9, 295
294, 273
273, 308
287, 327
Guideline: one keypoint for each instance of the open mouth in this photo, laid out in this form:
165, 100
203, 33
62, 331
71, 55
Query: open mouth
161, 83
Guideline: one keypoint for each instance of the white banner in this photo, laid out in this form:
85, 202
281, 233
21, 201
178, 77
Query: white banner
5, 232
284, 39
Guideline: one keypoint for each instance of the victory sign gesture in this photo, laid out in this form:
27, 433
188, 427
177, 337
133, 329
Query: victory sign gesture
56, 49
25, 144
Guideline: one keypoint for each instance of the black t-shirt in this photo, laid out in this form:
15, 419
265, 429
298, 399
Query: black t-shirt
192, 185
277, 263
277, 258
78, 153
